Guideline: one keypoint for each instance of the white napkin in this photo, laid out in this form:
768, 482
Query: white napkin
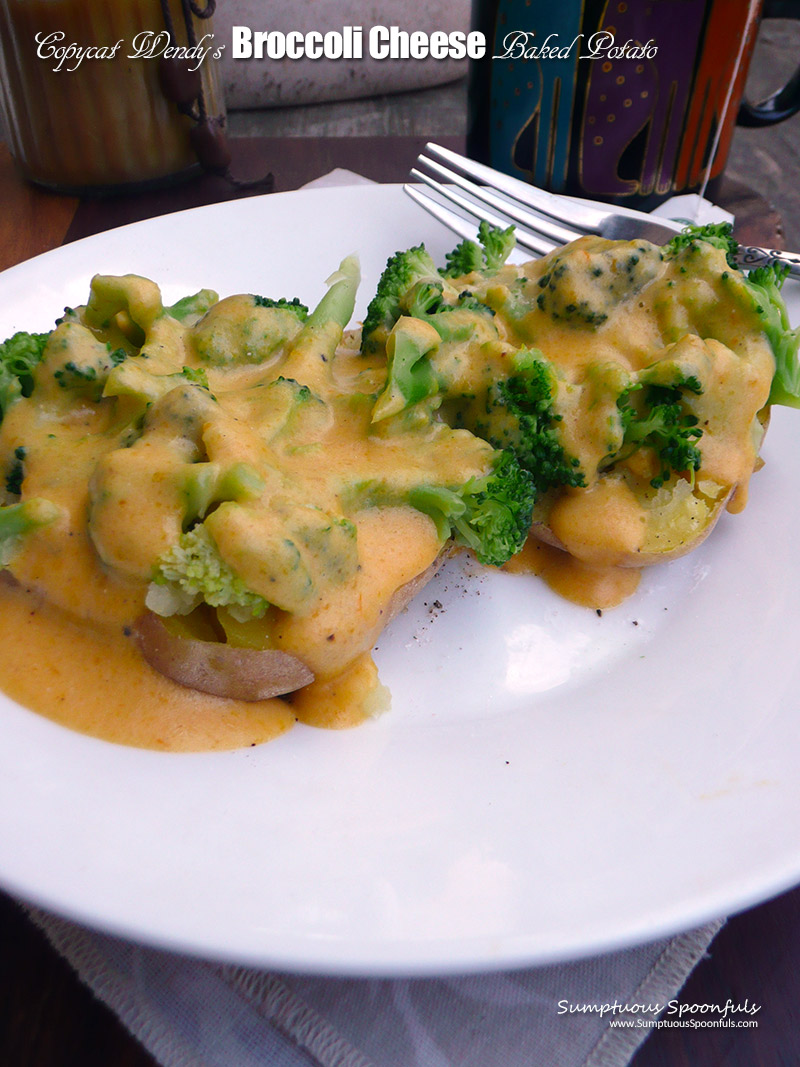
194, 1013
692, 208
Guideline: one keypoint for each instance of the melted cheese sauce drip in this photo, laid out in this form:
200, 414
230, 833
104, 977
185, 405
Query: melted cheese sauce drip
344, 700
586, 584
93, 680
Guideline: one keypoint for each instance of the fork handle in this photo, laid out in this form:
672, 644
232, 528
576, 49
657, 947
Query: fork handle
750, 256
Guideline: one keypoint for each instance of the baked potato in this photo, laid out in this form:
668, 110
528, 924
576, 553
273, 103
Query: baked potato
253, 493
230, 501
632, 381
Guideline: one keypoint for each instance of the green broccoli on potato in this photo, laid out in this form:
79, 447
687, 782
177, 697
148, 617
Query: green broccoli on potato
265, 481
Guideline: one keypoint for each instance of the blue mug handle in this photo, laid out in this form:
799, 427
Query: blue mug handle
786, 101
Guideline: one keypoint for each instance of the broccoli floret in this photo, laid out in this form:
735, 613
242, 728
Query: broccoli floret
560, 301
470, 302
515, 412
718, 234
19, 355
126, 303
586, 281
285, 409
661, 423
487, 256
89, 375
403, 270
491, 515
131, 379
465, 258
412, 374
415, 270
291, 547
244, 329
16, 520
294, 305
426, 301
765, 285
16, 474
519, 414
193, 571
497, 244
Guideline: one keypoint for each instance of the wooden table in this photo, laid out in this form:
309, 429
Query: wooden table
48, 1019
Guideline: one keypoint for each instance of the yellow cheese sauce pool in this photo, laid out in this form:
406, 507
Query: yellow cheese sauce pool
246, 472
94, 680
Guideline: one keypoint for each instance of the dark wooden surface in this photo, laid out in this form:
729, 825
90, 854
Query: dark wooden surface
47, 1018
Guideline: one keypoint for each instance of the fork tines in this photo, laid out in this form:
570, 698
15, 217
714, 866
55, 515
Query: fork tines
480, 203
542, 220
495, 197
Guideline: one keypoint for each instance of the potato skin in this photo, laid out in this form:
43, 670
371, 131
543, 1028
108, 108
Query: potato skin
541, 528
244, 673
406, 593
543, 532
213, 667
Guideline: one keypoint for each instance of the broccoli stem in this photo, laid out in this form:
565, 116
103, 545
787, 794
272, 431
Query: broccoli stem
340, 300
317, 342
191, 308
208, 483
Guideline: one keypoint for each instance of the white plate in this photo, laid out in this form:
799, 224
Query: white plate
549, 783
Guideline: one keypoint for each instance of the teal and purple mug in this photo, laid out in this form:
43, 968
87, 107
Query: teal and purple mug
629, 101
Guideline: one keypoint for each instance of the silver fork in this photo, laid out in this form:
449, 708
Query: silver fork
543, 221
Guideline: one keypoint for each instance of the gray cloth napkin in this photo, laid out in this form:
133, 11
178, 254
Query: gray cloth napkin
193, 1013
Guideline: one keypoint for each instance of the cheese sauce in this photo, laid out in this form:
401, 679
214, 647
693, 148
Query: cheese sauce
589, 585
615, 316
304, 501
229, 427
94, 680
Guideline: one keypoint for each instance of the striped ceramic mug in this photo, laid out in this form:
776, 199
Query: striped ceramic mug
623, 100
